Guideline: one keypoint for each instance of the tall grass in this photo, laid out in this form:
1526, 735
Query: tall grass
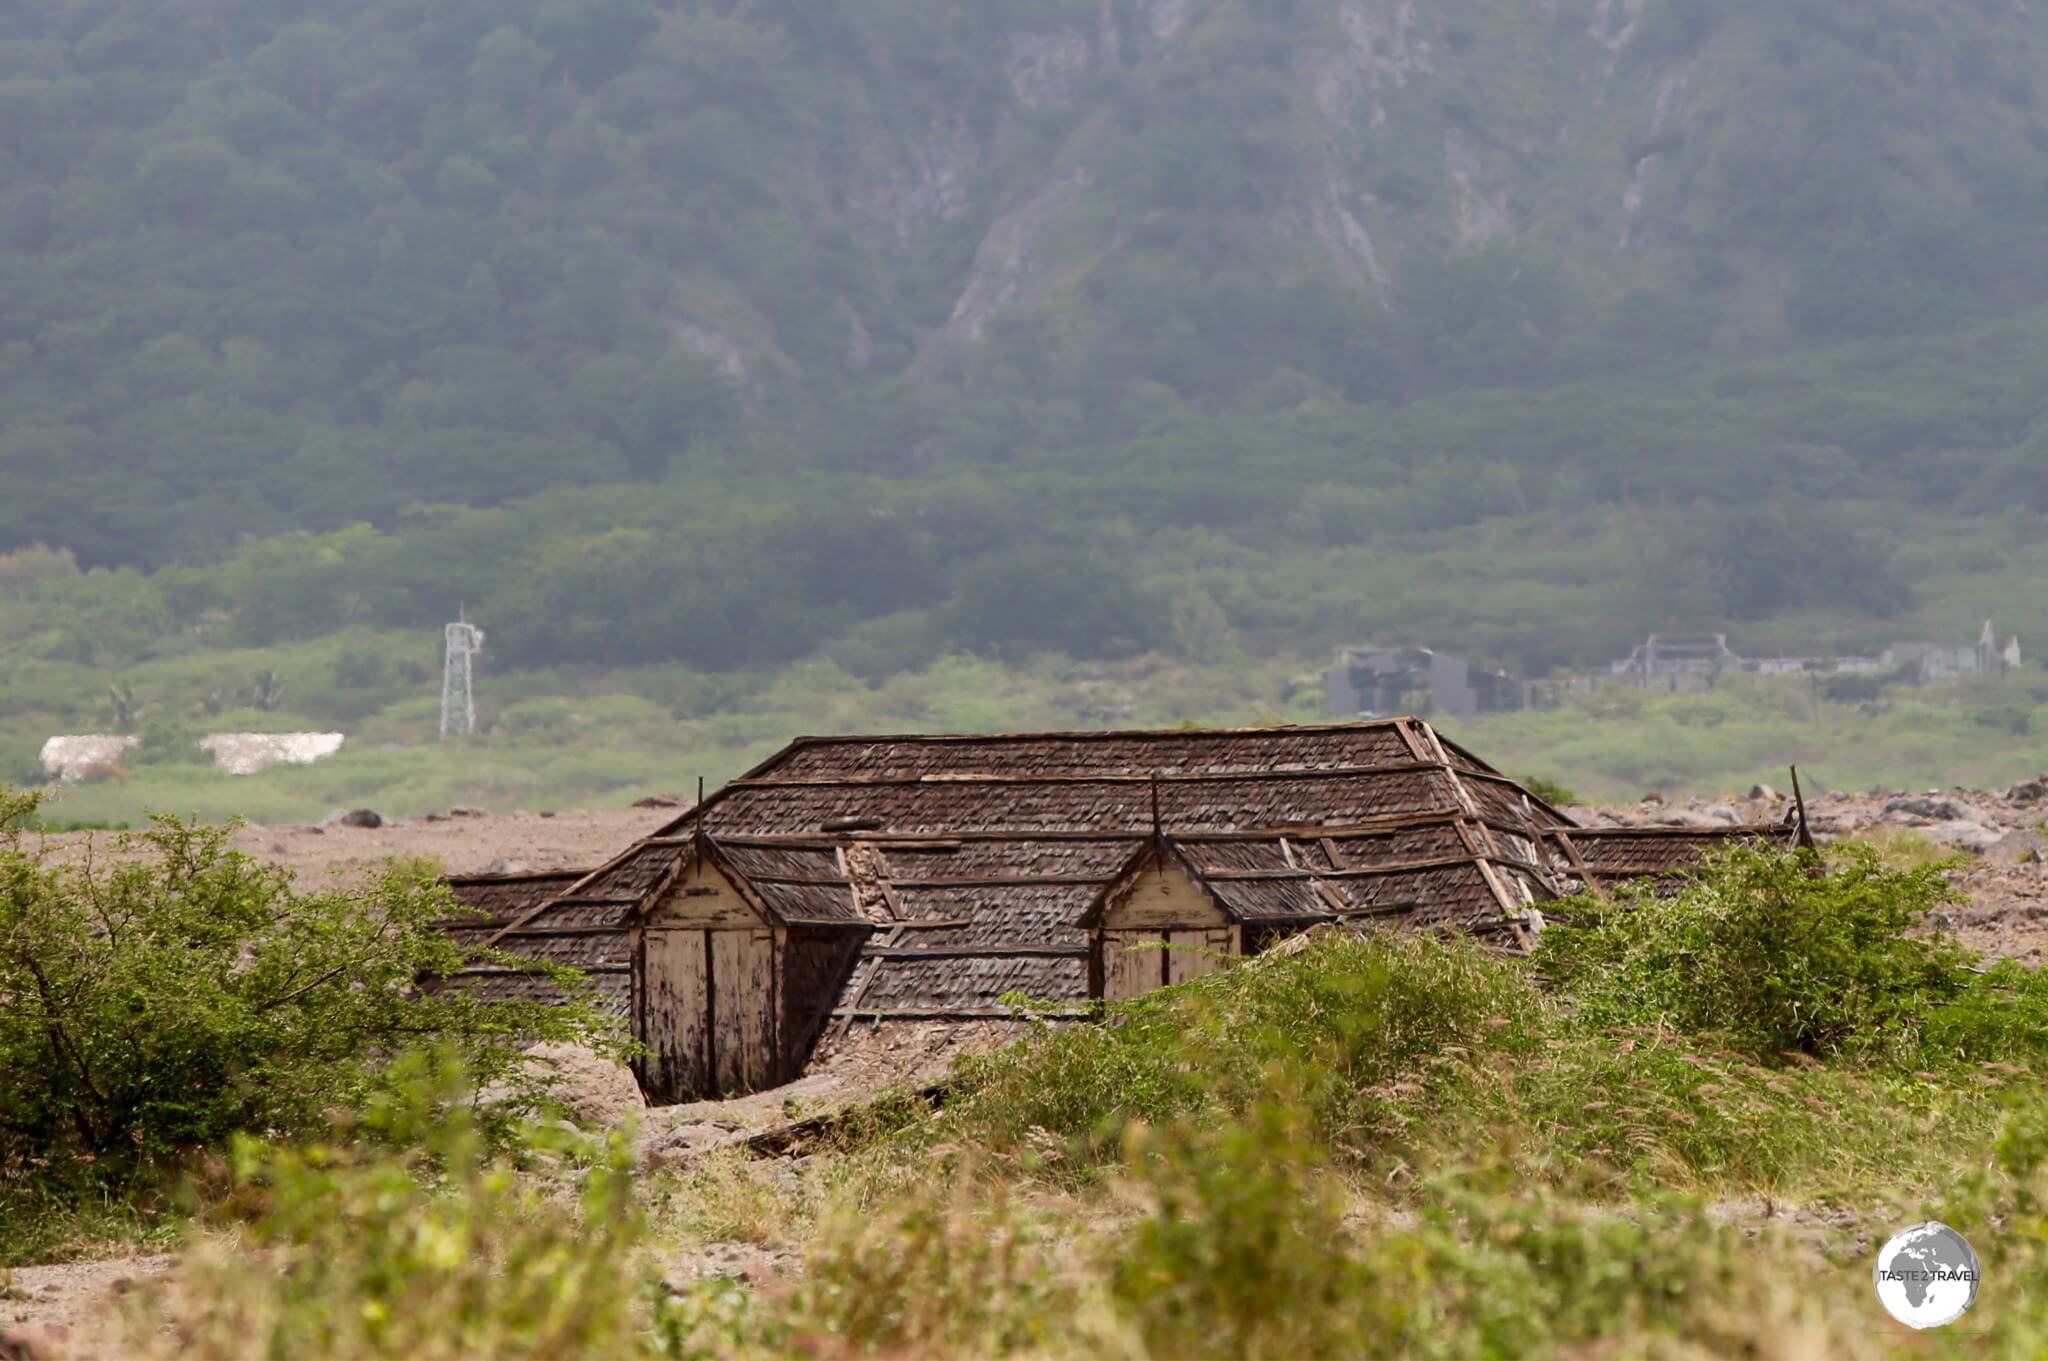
410, 1239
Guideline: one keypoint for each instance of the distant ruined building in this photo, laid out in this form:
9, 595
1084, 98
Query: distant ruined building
1370, 682
1684, 662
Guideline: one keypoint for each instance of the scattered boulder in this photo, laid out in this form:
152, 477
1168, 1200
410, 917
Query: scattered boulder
366, 818
658, 801
1765, 793
2028, 791
1685, 817
686, 1141
463, 811
1723, 813
1931, 807
436, 817
1970, 836
503, 866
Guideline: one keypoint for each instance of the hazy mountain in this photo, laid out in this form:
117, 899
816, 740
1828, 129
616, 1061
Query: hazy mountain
277, 265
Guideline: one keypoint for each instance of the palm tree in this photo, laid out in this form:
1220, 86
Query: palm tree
267, 691
121, 696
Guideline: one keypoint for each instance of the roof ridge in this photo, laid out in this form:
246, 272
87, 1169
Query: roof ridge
1196, 776
1090, 734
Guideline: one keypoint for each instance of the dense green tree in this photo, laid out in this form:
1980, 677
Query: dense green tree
1053, 596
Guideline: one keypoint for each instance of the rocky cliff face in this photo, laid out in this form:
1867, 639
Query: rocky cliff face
1703, 170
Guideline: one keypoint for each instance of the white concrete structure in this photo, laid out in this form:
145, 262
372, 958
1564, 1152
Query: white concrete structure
245, 753
72, 758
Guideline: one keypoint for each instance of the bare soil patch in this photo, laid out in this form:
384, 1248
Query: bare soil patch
43, 1304
572, 839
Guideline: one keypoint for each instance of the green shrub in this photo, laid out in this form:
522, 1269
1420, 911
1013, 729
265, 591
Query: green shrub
175, 993
1902, 848
1243, 1250
1412, 1050
2000, 1017
167, 742
1616, 1112
1362, 1027
1249, 1241
1550, 791
1493, 1267
1774, 952
2002, 1208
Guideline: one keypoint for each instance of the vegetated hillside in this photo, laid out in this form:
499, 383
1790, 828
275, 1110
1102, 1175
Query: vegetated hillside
1105, 288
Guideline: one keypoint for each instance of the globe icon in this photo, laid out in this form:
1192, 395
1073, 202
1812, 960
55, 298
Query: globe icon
1926, 1276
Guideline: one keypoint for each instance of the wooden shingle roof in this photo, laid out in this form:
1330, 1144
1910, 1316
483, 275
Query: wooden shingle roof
492, 902
980, 861
514, 913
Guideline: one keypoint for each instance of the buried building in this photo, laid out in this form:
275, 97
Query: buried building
878, 880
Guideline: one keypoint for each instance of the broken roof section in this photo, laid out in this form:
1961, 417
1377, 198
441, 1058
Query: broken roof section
1594, 857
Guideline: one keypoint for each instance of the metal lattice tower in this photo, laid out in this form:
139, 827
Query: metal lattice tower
458, 696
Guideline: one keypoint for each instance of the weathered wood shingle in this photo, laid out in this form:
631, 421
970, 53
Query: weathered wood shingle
516, 914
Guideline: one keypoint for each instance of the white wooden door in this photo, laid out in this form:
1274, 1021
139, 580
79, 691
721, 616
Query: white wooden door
1132, 963
742, 1010
1195, 953
676, 1014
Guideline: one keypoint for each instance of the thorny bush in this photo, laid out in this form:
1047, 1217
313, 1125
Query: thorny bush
162, 999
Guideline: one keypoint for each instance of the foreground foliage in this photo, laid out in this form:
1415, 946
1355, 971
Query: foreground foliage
1387, 1145
167, 994
407, 1237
